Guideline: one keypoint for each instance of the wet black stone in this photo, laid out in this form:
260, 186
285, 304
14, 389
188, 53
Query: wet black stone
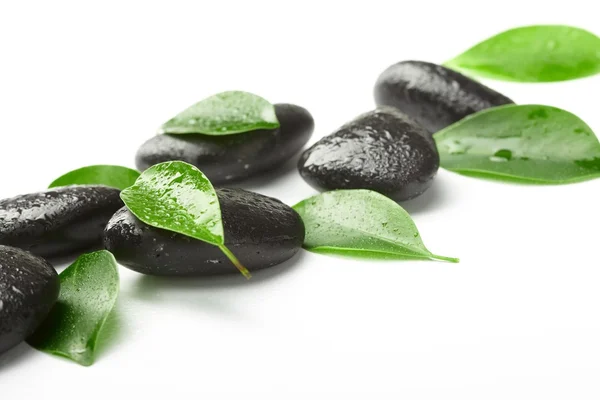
29, 287
382, 150
259, 230
433, 95
234, 157
58, 221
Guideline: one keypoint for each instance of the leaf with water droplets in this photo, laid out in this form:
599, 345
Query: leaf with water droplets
178, 197
88, 292
224, 114
361, 223
108, 175
523, 143
540, 53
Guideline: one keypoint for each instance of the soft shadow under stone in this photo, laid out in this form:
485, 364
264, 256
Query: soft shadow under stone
149, 288
434, 199
15, 356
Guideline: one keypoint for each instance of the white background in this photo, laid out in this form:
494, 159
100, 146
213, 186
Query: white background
518, 318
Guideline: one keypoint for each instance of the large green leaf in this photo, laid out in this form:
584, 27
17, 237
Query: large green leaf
88, 292
361, 223
526, 143
108, 175
224, 114
177, 196
541, 53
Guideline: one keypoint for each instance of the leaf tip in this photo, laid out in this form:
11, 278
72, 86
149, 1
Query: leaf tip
453, 260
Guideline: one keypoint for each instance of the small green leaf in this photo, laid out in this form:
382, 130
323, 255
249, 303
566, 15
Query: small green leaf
540, 53
524, 143
361, 223
108, 175
88, 292
178, 197
224, 114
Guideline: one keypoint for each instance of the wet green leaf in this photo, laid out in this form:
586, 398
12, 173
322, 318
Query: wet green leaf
525, 143
108, 175
361, 223
224, 114
88, 292
178, 197
540, 53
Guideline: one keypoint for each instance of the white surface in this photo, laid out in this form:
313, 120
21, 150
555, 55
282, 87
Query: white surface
83, 84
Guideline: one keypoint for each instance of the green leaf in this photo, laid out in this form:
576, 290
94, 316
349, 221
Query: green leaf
88, 292
178, 197
224, 114
540, 53
361, 223
108, 175
524, 143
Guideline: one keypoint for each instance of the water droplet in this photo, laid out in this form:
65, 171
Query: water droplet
456, 147
501, 156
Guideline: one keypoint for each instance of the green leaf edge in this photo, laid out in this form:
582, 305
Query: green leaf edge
454, 65
255, 127
503, 177
89, 355
56, 183
476, 173
373, 254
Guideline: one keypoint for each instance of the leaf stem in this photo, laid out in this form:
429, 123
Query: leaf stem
443, 258
235, 261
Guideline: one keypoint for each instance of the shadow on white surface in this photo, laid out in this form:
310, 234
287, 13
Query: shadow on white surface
183, 289
19, 354
436, 197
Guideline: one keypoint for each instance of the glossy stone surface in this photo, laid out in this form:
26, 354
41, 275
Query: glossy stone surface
29, 287
433, 95
234, 157
259, 230
382, 150
58, 221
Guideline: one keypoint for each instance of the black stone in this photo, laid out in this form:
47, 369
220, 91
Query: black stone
29, 287
382, 150
433, 95
259, 230
234, 157
58, 221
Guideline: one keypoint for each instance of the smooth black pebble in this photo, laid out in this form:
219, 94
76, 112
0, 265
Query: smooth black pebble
433, 95
259, 230
382, 150
29, 287
234, 157
58, 221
